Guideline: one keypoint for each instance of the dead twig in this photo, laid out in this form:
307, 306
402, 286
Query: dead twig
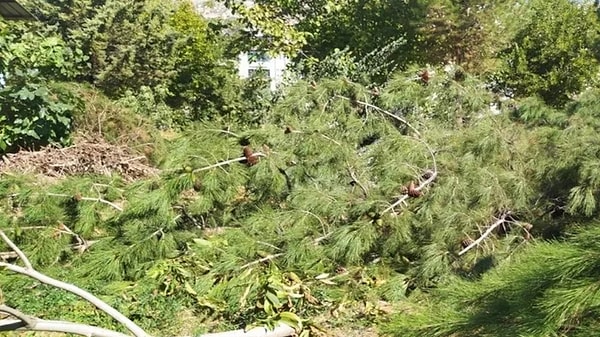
8, 255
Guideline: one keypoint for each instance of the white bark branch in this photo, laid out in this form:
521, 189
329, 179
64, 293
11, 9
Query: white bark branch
111, 204
28, 270
227, 162
490, 229
28, 321
406, 196
16, 249
280, 331
386, 113
58, 326
264, 259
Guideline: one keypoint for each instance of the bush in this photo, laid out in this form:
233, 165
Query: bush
554, 54
34, 113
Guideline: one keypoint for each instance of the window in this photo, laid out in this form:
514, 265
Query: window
258, 56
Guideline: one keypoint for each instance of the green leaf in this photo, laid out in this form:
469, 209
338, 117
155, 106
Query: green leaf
273, 299
291, 319
189, 289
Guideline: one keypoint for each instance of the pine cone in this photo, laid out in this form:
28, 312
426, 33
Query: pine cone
412, 191
424, 75
250, 158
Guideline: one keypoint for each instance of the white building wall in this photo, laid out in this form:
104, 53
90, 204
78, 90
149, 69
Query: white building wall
275, 65
214, 9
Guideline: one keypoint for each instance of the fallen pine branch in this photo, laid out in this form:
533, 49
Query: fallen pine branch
433, 174
113, 205
28, 270
264, 259
25, 322
385, 112
490, 229
403, 198
227, 162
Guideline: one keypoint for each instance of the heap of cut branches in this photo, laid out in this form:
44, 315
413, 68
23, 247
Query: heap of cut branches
86, 157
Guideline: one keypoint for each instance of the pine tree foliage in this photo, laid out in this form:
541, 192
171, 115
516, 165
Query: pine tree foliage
309, 226
549, 289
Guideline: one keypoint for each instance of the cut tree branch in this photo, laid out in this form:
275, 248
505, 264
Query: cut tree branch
28, 321
406, 196
264, 259
43, 325
28, 270
113, 205
280, 331
227, 162
385, 112
434, 174
16, 249
490, 229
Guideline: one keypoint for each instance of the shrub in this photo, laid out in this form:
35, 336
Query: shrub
34, 112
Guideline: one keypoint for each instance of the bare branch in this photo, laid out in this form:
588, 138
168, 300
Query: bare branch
227, 132
227, 162
264, 259
280, 331
113, 205
322, 238
28, 321
331, 140
103, 306
8, 255
269, 245
323, 224
490, 229
406, 196
58, 326
16, 249
402, 120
